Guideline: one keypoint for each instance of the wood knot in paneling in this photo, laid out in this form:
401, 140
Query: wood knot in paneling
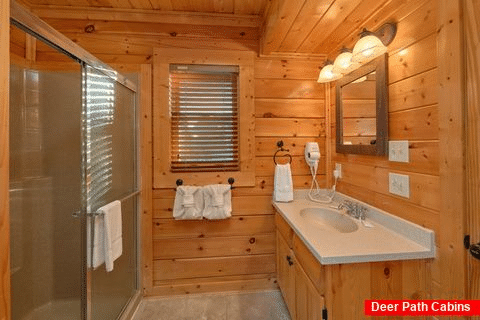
90, 28
386, 272
252, 240
417, 295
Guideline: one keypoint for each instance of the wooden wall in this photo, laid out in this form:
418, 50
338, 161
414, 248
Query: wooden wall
122, 36
414, 115
472, 45
4, 160
238, 253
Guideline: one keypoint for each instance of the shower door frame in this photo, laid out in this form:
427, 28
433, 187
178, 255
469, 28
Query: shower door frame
33, 25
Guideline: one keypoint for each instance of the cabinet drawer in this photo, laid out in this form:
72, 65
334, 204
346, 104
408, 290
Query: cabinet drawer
310, 264
284, 228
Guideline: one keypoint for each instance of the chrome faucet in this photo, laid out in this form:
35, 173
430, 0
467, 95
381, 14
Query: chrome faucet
353, 209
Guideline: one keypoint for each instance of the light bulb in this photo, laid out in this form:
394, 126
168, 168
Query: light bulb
327, 74
368, 48
367, 52
343, 63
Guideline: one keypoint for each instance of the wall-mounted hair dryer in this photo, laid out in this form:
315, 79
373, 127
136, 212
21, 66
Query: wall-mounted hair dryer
312, 156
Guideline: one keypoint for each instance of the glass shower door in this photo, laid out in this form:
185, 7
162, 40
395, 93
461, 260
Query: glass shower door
73, 150
111, 175
45, 184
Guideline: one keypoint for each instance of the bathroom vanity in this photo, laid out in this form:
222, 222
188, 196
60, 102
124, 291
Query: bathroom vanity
326, 261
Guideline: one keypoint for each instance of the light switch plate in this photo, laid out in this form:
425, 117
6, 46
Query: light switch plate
398, 151
399, 184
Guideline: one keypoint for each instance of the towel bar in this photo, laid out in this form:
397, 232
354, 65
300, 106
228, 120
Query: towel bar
130, 195
231, 181
77, 214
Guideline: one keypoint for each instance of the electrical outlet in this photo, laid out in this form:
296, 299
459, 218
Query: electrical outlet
399, 184
338, 169
398, 151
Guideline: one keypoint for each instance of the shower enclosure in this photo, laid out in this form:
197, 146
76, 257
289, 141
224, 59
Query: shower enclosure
73, 149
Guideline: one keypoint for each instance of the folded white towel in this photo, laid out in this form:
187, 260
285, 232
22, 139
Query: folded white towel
188, 203
283, 185
218, 201
98, 255
107, 243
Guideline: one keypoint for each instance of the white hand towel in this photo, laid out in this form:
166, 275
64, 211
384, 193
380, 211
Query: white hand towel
188, 203
283, 185
108, 235
98, 255
218, 201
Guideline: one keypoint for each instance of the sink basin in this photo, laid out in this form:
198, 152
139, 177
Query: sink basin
330, 218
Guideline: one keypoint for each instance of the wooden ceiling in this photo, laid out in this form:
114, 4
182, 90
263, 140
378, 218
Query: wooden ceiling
282, 27
237, 7
325, 26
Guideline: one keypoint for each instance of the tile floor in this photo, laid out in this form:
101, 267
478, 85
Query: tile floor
259, 305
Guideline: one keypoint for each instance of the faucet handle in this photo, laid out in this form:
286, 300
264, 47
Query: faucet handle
362, 212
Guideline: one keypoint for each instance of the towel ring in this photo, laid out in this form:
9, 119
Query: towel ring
284, 155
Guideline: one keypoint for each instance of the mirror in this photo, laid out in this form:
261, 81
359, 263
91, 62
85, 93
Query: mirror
362, 109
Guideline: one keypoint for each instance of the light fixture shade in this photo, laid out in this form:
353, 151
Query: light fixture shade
367, 48
343, 63
327, 74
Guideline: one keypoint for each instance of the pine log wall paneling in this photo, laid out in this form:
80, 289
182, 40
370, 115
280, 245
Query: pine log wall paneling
472, 37
197, 256
238, 253
193, 256
413, 84
4, 161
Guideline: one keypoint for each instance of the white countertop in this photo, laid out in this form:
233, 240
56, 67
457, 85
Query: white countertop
390, 238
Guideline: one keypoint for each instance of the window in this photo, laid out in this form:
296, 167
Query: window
203, 117
99, 115
204, 128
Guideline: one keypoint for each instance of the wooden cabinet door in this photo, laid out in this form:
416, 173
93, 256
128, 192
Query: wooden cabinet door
308, 300
286, 273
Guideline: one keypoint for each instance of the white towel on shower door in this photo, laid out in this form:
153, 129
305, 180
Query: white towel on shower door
107, 242
283, 184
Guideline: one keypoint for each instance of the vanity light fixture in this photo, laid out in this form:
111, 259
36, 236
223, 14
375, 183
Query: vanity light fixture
343, 63
373, 44
370, 46
327, 74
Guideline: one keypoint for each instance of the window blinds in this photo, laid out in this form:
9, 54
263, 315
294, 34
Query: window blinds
99, 115
204, 118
